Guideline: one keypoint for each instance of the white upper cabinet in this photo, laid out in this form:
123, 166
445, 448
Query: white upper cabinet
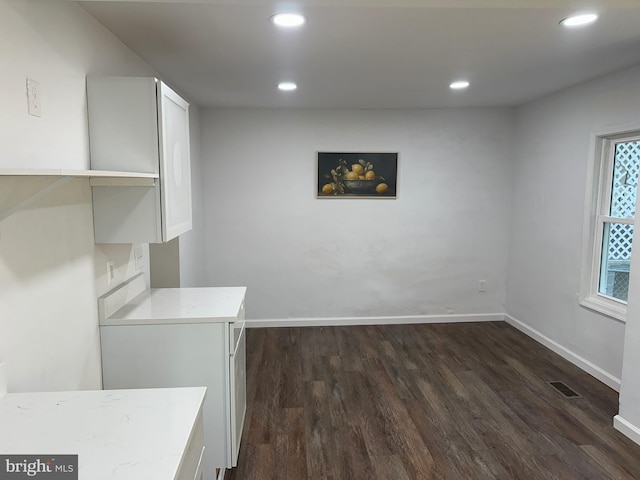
138, 124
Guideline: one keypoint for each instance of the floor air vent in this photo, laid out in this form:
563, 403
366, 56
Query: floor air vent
564, 390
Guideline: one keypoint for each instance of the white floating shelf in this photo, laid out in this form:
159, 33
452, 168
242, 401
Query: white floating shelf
97, 178
57, 172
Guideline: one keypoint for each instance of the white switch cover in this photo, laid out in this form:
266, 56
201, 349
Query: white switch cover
33, 98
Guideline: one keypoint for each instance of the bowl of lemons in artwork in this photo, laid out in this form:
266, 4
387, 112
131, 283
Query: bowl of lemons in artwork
362, 179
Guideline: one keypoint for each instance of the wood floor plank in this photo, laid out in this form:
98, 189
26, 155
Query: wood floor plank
614, 469
348, 350
353, 459
372, 422
444, 418
320, 444
488, 466
552, 467
397, 371
451, 453
288, 378
389, 467
290, 445
338, 398
415, 402
261, 465
511, 427
399, 427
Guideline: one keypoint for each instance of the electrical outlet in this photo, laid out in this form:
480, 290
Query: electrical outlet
482, 285
110, 272
33, 98
138, 255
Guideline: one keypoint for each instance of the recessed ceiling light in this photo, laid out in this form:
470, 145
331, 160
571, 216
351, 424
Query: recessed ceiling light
287, 86
579, 20
459, 85
288, 20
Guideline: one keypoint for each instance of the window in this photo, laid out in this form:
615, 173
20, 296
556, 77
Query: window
611, 202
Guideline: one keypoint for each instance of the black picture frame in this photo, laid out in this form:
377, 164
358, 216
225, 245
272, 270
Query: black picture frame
357, 174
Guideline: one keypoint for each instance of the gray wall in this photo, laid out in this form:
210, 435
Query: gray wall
422, 253
547, 219
192, 271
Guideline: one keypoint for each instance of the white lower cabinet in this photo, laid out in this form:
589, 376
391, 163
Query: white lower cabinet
148, 343
117, 434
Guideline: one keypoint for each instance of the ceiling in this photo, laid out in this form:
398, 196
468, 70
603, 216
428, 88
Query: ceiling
373, 53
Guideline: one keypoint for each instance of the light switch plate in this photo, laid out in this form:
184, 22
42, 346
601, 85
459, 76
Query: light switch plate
110, 272
33, 98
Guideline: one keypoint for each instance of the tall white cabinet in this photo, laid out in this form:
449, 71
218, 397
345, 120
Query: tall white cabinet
138, 124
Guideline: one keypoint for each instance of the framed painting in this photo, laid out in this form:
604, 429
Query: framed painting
356, 174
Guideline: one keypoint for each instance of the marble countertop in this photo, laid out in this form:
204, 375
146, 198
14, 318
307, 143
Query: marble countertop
180, 305
117, 434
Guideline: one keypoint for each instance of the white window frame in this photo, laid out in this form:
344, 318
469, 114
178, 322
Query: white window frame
597, 207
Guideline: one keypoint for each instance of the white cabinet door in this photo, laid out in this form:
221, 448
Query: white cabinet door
175, 168
238, 381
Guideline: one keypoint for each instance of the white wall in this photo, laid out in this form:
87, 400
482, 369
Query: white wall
191, 244
164, 264
547, 220
50, 270
420, 254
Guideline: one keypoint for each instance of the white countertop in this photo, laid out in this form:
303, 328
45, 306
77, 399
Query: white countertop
180, 305
117, 434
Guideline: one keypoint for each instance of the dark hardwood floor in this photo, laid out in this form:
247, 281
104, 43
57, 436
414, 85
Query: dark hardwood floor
446, 401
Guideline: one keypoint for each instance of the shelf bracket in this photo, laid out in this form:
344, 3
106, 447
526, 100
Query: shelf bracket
36, 196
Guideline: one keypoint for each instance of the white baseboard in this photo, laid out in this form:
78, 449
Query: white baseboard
627, 428
221, 474
397, 320
583, 363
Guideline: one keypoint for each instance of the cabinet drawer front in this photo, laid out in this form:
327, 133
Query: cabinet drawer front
192, 462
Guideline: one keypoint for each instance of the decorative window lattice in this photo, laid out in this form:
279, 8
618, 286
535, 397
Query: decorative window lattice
623, 198
625, 179
620, 238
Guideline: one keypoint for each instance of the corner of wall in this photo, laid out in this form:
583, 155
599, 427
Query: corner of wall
627, 428
581, 362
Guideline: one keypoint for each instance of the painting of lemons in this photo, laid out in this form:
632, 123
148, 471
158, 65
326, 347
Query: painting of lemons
353, 174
